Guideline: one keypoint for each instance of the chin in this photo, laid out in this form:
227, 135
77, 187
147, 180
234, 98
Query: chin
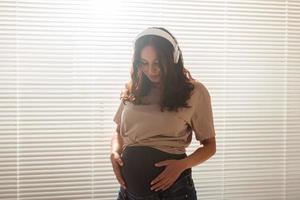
154, 80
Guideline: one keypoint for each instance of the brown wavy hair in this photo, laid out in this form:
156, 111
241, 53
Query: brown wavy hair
175, 80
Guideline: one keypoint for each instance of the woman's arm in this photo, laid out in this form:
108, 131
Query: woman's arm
201, 154
116, 141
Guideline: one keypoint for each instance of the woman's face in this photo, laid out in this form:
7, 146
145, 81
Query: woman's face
150, 64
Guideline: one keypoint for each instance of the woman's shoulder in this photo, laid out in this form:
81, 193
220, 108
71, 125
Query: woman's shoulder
200, 88
201, 92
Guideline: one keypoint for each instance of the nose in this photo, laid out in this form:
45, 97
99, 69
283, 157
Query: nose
154, 70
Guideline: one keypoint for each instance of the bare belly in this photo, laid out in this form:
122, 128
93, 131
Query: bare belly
138, 170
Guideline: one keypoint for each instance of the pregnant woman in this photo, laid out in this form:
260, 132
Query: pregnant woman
160, 108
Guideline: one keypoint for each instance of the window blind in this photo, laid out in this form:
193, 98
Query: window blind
63, 65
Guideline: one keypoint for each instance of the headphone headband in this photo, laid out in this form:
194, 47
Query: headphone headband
163, 34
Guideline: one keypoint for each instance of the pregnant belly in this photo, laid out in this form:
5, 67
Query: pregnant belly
138, 170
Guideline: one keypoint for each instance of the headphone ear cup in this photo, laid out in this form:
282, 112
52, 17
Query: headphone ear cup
176, 55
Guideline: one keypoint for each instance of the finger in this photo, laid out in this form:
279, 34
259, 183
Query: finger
159, 177
115, 166
114, 155
167, 185
117, 159
118, 174
120, 178
162, 163
159, 185
121, 181
120, 162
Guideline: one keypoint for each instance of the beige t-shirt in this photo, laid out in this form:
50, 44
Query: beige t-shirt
167, 131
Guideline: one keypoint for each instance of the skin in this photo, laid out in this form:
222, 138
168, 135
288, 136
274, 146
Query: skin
173, 168
116, 147
150, 65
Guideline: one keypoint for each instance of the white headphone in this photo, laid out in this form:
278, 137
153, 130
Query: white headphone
161, 33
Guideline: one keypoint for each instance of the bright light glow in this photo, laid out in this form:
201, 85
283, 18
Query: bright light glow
105, 9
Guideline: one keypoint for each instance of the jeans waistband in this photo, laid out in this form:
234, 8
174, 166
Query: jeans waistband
187, 179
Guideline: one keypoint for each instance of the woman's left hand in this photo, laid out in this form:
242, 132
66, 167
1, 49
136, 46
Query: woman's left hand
172, 171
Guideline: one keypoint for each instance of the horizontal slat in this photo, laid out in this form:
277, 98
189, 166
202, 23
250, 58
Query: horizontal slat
63, 64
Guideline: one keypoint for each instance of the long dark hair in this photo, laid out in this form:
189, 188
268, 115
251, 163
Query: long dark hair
175, 80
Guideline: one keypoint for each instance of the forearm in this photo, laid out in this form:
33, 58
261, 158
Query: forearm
116, 143
199, 156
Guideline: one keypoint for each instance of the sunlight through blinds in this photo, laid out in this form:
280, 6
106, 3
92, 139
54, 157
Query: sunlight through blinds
63, 65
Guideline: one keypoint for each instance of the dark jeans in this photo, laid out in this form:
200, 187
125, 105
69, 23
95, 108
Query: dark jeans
182, 189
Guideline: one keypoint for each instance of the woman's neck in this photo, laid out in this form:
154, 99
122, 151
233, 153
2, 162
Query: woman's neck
156, 85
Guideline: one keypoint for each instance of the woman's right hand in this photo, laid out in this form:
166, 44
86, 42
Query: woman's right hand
116, 164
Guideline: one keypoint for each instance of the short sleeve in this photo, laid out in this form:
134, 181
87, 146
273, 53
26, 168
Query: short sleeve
202, 119
118, 113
